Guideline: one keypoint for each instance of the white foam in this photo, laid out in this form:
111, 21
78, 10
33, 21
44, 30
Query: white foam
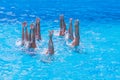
26, 44
45, 60
18, 42
44, 51
56, 32
56, 21
66, 35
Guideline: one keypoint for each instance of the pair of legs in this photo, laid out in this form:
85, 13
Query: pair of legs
38, 37
28, 37
77, 36
24, 33
50, 44
62, 26
75, 40
37, 29
32, 40
70, 31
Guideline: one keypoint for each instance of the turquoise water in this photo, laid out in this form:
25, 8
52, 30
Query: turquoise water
100, 38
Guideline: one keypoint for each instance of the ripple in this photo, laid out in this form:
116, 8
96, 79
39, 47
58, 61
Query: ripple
13, 7
56, 21
2, 8
3, 19
27, 10
12, 20
10, 13
24, 15
32, 15
1, 12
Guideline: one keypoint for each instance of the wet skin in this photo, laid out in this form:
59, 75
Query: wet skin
37, 29
32, 42
77, 36
50, 44
24, 33
62, 26
70, 31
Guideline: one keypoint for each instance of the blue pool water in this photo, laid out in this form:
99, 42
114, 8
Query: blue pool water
99, 32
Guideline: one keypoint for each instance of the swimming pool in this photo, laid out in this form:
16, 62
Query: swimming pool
99, 33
